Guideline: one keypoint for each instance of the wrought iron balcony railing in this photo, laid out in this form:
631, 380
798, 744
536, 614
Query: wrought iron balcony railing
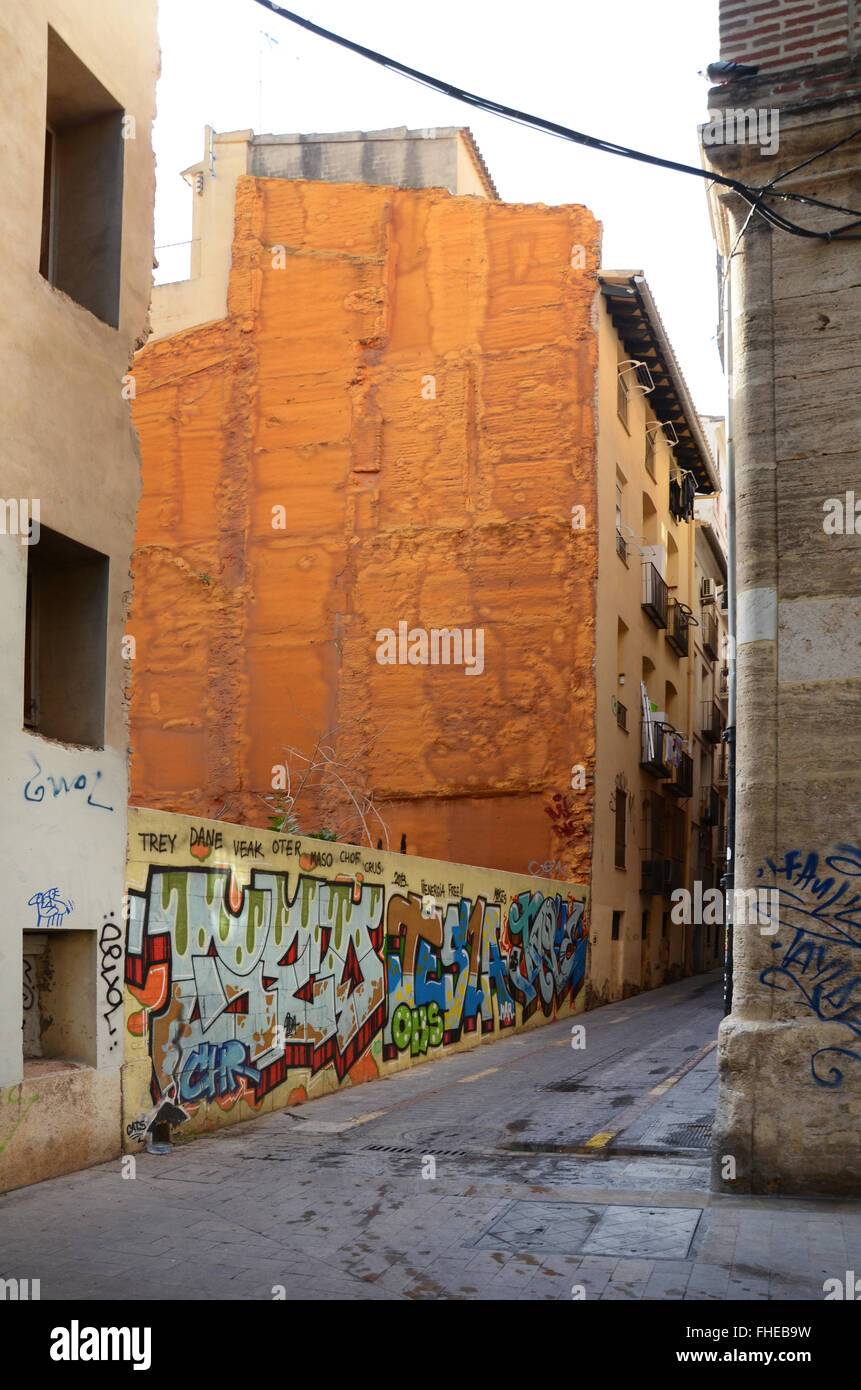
712, 722
721, 772
652, 873
679, 619
621, 546
681, 779
653, 748
709, 806
654, 600
710, 633
621, 715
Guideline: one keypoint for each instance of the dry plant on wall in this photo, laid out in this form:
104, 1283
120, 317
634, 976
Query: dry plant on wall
563, 812
324, 779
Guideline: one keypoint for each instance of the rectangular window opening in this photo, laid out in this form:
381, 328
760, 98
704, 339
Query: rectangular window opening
80, 248
65, 642
621, 800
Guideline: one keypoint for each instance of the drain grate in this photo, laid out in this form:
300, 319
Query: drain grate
569, 1086
697, 1136
411, 1153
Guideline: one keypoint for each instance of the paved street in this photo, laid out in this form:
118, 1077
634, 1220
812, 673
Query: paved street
549, 1167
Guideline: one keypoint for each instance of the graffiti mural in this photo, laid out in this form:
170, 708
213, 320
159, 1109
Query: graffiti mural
819, 946
217, 970
245, 978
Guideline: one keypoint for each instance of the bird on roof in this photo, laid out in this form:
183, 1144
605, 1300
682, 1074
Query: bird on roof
729, 72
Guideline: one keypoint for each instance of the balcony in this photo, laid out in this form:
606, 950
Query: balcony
652, 748
652, 873
681, 780
621, 715
721, 842
658, 874
712, 722
674, 875
709, 806
679, 619
654, 600
723, 683
621, 546
710, 633
721, 773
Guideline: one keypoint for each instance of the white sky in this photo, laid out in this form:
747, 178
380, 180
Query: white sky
622, 69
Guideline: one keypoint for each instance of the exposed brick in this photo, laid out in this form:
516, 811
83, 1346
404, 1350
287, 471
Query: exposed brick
763, 29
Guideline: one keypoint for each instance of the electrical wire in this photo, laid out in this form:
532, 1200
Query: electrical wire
753, 196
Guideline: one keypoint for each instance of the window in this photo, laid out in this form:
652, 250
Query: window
58, 997
644, 927
621, 397
617, 923
650, 454
65, 640
621, 799
82, 190
665, 920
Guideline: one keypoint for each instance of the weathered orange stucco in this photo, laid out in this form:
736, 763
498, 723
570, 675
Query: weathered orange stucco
445, 510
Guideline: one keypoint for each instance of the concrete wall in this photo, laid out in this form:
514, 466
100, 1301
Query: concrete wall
790, 1052
411, 383
263, 969
68, 442
402, 158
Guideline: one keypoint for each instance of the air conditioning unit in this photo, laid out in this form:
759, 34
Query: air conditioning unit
707, 591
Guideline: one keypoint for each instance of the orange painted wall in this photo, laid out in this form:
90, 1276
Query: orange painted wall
445, 512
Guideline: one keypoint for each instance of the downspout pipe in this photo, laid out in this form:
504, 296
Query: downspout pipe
728, 879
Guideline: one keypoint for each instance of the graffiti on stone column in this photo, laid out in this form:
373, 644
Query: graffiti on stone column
819, 946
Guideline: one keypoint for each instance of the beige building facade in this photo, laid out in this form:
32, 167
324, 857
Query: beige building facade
648, 810
76, 105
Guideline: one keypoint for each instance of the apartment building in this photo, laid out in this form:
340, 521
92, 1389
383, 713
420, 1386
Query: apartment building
420, 411
657, 656
76, 166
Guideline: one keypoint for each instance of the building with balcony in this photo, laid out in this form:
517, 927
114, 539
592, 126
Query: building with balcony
655, 466
77, 103
390, 425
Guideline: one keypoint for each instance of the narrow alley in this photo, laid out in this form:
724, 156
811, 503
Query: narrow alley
533, 1167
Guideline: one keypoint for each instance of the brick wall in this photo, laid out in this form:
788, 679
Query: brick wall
781, 35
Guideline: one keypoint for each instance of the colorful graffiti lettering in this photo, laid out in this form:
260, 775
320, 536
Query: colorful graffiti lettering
238, 986
821, 907
548, 948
